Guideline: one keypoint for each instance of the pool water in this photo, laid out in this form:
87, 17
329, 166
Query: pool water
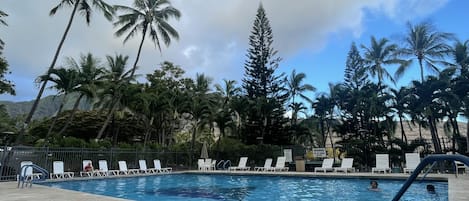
233, 187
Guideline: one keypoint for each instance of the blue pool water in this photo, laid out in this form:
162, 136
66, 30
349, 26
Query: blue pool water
231, 187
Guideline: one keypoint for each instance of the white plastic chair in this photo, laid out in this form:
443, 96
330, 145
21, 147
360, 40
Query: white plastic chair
104, 170
124, 170
241, 165
267, 165
27, 173
412, 160
91, 173
58, 171
158, 167
143, 167
382, 164
346, 166
279, 165
327, 164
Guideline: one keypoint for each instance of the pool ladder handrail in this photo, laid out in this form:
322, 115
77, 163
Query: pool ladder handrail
22, 178
429, 160
223, 164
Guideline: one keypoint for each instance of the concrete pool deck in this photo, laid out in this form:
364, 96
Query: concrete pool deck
457, 186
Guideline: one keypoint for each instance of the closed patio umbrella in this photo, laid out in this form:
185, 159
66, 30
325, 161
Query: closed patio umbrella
204, 152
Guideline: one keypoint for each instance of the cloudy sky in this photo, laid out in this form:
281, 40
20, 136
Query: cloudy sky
311, 36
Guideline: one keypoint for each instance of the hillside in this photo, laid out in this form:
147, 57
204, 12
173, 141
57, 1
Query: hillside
48, 106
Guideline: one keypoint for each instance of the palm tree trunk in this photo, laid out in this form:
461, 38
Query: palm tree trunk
109, 117
330, 138
72, 115
403, 135
43, 86
139, 51
435, 140
55, 119
421, 69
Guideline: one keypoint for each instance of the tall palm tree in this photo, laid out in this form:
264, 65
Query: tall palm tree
199, 105
148, 16
427, 45
116, 80
400, 103
460, 54
378, 55
84, 7
224, 113
2, 21
296, 88
90, 71
65, 81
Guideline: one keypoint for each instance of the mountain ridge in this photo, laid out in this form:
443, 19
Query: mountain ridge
47, 107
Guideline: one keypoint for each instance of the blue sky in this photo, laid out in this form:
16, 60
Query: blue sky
311, 36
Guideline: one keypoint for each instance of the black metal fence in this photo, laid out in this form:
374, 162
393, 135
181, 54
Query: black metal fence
11, 158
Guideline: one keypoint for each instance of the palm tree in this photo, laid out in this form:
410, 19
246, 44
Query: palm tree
148, 16
65, 81
460, 53
2, 15
81, 6
400, 103
90, 72
116, 80
224, 113
199, 105
426, 98
378, 55
427, 45
296, 88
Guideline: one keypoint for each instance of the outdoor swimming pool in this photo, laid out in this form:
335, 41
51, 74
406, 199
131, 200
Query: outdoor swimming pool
234, 187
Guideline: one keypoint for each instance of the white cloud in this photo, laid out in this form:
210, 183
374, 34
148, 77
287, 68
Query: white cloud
213, 33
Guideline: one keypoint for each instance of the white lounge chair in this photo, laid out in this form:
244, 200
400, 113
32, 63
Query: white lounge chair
412, 160
143, 167
267, 165
124, 170
90, 173
201, 164
382, 164
326, 165
346, 166
104, 170
461, 166
241, 165
158, 167
58, 171
27, 173
279, 165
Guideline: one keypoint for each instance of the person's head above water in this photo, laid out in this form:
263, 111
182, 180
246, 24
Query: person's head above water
430, 188
373, 184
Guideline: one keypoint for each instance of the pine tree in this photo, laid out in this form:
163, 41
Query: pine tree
355, 75
264, 89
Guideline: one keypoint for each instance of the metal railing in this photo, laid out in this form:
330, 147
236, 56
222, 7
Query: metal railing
72, 157
426, 161
28, 179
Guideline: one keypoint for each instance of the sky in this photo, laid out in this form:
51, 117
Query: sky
311, 36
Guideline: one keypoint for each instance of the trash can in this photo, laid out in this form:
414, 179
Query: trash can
300, 165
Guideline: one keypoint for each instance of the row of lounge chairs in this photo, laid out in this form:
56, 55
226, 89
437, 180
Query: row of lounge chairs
123, 170
59, 173
382, 164
209, 164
